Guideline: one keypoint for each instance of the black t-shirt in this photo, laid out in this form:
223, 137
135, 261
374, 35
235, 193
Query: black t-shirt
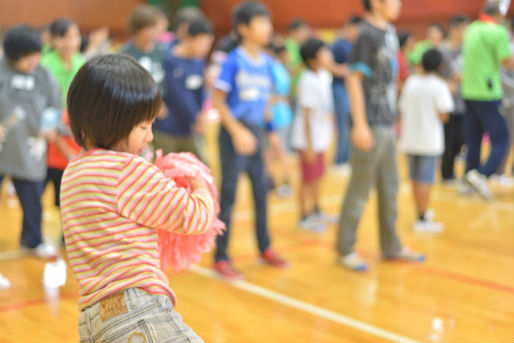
375, 56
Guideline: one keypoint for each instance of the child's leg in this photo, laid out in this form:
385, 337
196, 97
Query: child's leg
258, 179
29, 193
387, 190
422, 198
423, 183
56, 176
231, 166
363, 165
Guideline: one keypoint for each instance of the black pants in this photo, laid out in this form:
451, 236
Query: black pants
29, 194
55, 175
454, 139
232, 165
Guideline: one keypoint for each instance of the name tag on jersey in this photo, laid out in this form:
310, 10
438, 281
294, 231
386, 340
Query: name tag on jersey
249, 94
193, 82
23, 82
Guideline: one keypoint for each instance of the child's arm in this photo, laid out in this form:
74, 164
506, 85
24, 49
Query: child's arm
244, 141
361, 134
147, 197
444, 117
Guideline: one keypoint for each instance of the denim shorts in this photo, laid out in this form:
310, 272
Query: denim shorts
133, 316
422, 168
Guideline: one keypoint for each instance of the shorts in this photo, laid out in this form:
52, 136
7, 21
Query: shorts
422, 168
312, 171
134, 316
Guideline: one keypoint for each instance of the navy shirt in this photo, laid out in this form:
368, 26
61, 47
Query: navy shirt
341, 49
184, 94
248, 84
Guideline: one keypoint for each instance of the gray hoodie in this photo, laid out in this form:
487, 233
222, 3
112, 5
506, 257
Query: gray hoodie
23, 98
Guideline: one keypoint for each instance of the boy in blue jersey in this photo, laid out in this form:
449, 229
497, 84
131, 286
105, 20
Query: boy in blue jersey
184, 95
241, 96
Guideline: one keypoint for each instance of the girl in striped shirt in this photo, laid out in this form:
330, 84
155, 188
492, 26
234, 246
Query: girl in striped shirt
112, 203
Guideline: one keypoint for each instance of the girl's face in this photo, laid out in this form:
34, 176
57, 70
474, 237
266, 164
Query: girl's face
69, 44
138, 140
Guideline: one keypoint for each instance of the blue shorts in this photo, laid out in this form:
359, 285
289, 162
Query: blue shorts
422, 168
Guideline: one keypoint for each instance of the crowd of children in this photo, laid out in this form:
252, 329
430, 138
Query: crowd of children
272, 95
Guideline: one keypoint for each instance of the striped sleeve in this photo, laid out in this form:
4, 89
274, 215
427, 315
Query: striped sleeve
147, 197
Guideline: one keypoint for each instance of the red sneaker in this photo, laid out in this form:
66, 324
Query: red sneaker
227, 271
273, 259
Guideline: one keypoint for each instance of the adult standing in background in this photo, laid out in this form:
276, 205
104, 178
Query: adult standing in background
486, 49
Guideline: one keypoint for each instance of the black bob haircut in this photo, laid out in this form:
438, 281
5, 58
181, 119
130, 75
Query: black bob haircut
367, 5
199, 27
108, 97
310, 49
60, 27
431, 61
245, 12
457, 20
21, 41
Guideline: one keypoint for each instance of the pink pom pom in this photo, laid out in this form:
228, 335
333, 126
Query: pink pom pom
179, 251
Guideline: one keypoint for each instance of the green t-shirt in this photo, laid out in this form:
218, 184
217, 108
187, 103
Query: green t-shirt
416, 55
485, 46
295, 63
53, 62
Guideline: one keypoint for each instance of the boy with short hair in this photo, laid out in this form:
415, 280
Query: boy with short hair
241, 96
27, 94
372, 90
312, 128
184, 94
144, 47
425, 104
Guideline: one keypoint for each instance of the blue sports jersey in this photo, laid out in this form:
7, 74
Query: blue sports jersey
248, 84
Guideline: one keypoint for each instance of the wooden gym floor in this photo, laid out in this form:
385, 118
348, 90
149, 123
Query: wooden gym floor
464, 292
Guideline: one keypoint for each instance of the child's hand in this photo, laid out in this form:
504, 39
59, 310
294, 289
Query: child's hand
244, 141
51, 136
196, 184
362, 137
310, 155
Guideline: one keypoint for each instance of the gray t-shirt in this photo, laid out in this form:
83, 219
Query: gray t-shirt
23, 98
152, 61
452, 64
375, 56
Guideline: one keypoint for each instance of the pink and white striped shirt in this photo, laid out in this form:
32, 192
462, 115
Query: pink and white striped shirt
111, 204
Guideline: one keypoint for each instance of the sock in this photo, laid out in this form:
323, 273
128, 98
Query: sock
422, 217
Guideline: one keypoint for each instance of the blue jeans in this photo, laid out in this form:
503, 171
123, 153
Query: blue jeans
481, 117
134, 316
342, 109
29, 193
422, 168
232, 165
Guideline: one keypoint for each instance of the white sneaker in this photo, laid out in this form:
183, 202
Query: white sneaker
407, 255
312, 223
354, 262
428, 226
326, 218
342, 169
43, 250
4, 282
284, 191
502, 180
479, 183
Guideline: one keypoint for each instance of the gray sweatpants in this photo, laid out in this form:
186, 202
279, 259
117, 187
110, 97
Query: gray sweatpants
377, 167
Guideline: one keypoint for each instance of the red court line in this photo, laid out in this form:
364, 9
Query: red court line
470, 280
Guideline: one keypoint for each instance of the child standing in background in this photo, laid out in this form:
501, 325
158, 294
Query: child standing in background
241, 96
372, 89
312, 128
63, 61
112, 203
185, 93
425, 104
27, 90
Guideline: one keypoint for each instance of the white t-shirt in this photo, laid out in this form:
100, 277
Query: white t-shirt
314, 92
423, 99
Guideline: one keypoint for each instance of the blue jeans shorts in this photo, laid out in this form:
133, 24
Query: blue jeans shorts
133, 316
422, 168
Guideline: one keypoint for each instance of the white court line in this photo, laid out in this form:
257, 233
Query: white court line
309, 308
